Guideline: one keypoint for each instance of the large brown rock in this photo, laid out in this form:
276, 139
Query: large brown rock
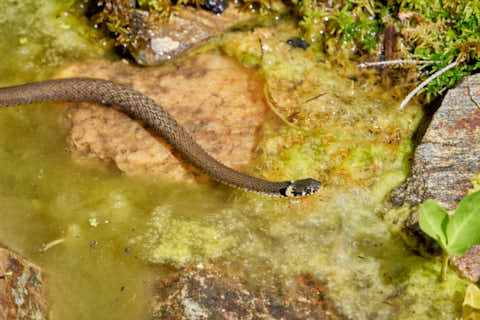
22, 292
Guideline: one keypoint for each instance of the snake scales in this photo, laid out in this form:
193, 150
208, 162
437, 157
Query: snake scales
139, 106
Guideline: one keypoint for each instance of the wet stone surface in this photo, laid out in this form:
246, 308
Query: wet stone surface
22, 293
199, 293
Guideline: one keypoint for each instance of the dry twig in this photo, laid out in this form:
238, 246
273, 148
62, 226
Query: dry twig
382, 63
427, 81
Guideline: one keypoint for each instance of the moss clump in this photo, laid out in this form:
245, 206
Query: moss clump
441, 31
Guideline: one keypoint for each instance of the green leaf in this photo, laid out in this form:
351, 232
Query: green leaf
433, 221
463, 229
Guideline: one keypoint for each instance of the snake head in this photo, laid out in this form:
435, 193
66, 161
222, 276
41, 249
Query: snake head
300, 188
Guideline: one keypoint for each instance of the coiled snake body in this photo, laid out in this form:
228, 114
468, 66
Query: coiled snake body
139, 106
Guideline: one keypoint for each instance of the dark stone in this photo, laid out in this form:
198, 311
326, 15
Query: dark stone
216, 6
204, 293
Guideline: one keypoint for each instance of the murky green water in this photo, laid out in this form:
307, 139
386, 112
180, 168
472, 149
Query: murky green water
111, 227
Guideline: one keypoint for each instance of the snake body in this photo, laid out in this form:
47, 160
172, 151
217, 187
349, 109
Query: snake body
139, 106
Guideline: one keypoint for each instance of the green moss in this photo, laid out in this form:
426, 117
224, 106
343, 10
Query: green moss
442, 31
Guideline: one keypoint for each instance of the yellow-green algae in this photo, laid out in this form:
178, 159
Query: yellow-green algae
353, 137
340, 130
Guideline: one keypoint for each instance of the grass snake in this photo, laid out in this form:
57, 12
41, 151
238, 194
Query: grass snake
139, 106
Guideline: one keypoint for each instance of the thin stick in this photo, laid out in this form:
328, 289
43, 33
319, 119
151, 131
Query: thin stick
424, 83
51, 244
381, 63
272, 104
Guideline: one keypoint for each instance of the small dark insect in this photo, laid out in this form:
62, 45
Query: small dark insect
216, 6
297, 42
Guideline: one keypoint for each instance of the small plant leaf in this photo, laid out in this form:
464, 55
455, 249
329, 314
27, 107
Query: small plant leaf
463, 229
433, 221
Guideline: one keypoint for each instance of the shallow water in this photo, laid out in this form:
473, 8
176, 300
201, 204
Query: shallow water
112, 227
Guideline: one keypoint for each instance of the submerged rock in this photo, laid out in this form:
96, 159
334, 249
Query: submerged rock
446, 160
22, 292
203, 293
214, 98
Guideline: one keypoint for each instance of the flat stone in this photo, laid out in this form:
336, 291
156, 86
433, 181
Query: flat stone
204, 293
22, 292
219, 102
